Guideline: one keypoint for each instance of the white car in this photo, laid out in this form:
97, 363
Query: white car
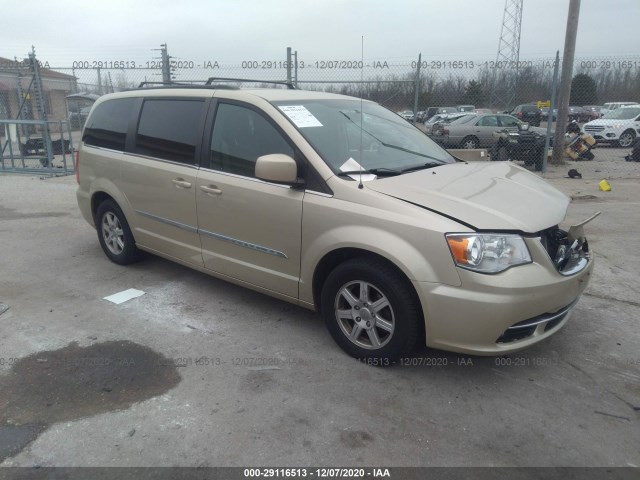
619, 127
610, 106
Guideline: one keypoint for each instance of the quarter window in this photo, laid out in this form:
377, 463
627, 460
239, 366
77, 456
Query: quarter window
169, 129
240, 136
107, 126
508, 121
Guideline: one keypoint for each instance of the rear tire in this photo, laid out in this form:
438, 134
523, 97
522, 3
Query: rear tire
114, 234
371, 311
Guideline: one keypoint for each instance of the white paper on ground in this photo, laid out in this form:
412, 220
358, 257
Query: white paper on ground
300, 116
123, 296
351, 166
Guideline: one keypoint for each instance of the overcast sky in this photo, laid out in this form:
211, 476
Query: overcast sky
231, 31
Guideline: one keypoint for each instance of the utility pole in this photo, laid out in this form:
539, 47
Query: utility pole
166, 64
565, 81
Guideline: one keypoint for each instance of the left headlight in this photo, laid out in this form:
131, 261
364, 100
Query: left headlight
488, 253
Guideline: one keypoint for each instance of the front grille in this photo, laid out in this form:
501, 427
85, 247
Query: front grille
513, 335
593, 128
569, 257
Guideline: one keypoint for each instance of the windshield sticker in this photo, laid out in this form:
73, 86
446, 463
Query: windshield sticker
352, 166
300, 116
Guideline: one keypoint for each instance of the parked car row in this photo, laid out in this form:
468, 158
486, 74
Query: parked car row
586, 113
423, 116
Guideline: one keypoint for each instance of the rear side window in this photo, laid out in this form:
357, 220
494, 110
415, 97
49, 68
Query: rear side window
170, 129
107, 126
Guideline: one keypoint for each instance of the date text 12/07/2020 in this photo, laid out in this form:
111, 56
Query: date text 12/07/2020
348, 64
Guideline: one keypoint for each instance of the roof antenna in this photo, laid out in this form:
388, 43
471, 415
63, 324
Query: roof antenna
360, 185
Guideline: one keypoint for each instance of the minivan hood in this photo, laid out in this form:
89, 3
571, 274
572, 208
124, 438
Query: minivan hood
485, 196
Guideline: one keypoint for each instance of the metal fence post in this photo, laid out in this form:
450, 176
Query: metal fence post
289, 65
547, 140
100, 92
417, 89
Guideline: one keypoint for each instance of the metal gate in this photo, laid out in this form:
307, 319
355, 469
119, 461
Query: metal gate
30, 142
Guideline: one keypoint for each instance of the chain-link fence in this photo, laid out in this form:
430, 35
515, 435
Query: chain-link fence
432, 93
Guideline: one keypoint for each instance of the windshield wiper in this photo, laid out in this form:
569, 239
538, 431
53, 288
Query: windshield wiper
380, 172
424, 166
389, 145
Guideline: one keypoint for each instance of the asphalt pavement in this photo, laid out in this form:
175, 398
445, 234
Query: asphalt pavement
198, 372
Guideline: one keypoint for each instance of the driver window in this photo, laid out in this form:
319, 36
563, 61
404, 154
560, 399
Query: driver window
240, 136
489, 121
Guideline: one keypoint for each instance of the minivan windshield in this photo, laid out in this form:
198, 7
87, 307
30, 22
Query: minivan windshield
624, 113
386, 142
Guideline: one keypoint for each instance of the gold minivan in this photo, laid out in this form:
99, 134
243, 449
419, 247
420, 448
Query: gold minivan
335, 204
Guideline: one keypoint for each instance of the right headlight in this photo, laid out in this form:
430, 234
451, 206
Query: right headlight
488, 252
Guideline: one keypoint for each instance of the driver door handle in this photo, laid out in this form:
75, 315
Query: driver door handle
211, 190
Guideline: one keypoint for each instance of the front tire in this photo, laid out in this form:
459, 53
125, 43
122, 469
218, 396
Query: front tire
371, 310
470, 143
114, 234
626, 139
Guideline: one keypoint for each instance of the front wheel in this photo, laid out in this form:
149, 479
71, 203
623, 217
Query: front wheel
626, 139
371, 310
114, 234
470, 143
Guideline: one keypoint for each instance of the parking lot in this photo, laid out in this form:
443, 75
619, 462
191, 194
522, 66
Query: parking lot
198, 372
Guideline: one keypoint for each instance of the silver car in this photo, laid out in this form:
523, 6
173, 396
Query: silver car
442, 118
473, 131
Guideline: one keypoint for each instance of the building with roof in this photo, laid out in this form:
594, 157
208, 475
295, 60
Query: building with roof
15, 78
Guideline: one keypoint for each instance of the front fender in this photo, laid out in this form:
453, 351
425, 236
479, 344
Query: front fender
427, 260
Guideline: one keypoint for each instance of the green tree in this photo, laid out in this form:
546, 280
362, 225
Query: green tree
583, 90
473, 94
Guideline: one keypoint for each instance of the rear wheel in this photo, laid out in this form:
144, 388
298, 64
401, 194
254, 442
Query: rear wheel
371, 310
114, 234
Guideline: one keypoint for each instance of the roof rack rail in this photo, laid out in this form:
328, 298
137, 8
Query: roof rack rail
184, 84
211, 80
145, 83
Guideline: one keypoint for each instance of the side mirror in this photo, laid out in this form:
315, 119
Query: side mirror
523, 126
277, 168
